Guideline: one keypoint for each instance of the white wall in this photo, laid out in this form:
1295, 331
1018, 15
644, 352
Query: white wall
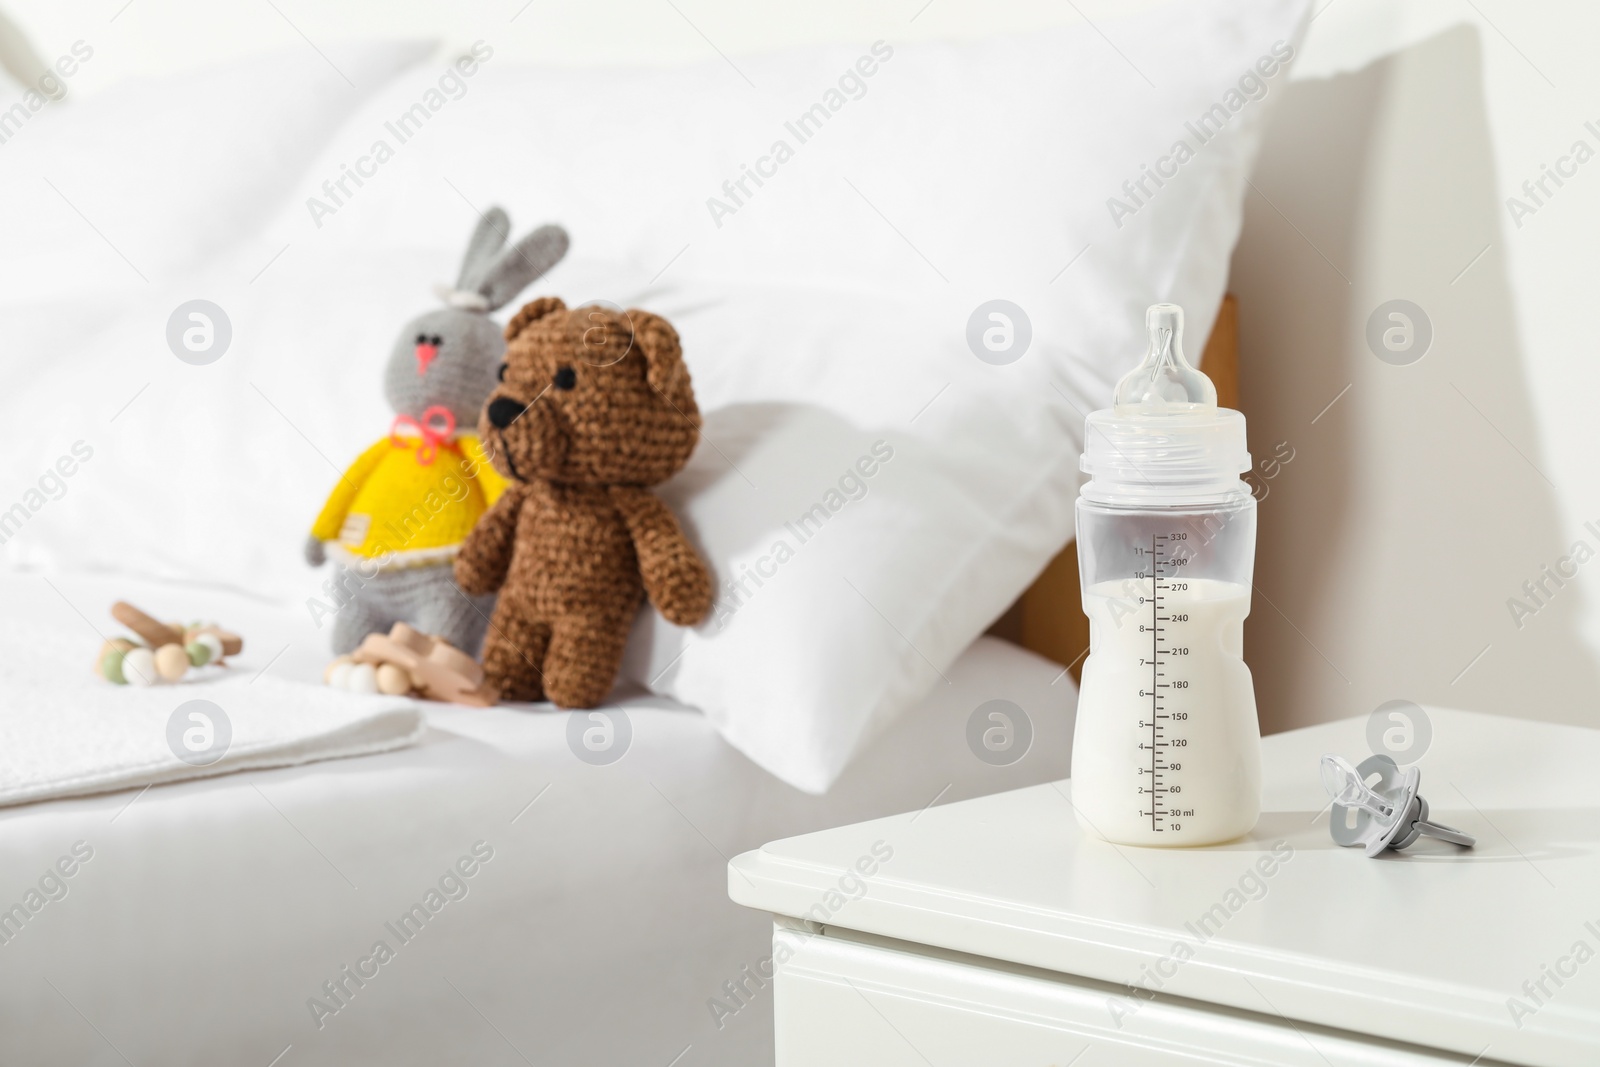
1422, 500
1427, 494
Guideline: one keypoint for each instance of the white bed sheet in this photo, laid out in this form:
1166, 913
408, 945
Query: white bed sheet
600, 931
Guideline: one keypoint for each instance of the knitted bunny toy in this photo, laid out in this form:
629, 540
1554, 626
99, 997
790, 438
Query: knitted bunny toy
593, 408
402, 509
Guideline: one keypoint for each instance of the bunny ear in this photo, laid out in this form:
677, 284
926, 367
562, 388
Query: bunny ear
522, 264
488, 237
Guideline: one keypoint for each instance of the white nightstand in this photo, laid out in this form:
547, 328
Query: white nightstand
992, 932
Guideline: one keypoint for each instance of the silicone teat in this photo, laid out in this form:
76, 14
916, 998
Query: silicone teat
1165, 380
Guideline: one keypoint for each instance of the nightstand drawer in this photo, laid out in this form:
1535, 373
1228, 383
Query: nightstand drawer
844, 1000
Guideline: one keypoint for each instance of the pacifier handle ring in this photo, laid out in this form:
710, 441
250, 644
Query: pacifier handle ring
1445, 833
1424, 825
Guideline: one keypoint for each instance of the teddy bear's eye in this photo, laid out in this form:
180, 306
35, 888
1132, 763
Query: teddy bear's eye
422, 338
502, 372
565, 378
436, 340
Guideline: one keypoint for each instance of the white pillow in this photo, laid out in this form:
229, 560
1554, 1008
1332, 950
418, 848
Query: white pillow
830, 312
102, 198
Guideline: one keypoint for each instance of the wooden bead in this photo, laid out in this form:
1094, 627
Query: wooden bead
172, 662
139, 667
362, 679
119, 645
338, 675
232, 643
199, 654
392, 680
212, 643
332, 668
111, 665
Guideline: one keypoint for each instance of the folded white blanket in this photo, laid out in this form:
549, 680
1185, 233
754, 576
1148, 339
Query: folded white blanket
65, 732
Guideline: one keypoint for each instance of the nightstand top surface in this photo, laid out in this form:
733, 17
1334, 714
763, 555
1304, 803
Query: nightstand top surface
1475, 951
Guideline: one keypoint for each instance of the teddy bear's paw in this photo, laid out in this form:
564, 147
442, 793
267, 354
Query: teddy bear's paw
519, 689
474, 579
686, 601
587, 690
524, 694
582, 667
512, 661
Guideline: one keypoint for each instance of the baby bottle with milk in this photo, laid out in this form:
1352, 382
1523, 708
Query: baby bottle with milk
1167, 751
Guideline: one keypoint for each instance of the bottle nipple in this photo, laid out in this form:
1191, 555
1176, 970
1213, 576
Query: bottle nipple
1164, 382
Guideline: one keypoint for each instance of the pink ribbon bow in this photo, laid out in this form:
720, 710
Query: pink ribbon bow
438, 426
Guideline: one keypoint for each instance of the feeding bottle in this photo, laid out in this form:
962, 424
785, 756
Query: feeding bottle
1167, 750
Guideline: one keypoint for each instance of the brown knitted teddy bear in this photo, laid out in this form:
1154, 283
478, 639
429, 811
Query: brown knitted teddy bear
594, 406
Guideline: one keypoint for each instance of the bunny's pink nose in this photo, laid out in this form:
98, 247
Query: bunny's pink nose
425, 356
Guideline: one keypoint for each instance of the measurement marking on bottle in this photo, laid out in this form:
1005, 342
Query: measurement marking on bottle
1163, 815
1155, 672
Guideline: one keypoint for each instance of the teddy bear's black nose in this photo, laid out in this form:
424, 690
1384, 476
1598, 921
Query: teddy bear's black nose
503, 411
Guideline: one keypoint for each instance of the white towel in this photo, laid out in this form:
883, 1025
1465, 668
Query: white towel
66, 732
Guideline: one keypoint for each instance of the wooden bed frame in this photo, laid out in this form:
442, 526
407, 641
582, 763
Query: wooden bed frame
1049, 619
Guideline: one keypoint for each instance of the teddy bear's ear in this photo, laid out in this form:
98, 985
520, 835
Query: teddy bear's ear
531, 312
663, 355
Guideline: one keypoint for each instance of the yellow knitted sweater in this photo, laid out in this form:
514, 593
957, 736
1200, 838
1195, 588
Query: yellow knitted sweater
392, 508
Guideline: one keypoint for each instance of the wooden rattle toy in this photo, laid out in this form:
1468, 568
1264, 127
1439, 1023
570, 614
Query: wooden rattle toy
168, 652
404, 662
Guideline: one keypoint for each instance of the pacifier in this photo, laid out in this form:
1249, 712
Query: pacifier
1388, 812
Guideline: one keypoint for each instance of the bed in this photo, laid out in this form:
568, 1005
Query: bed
213, 911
